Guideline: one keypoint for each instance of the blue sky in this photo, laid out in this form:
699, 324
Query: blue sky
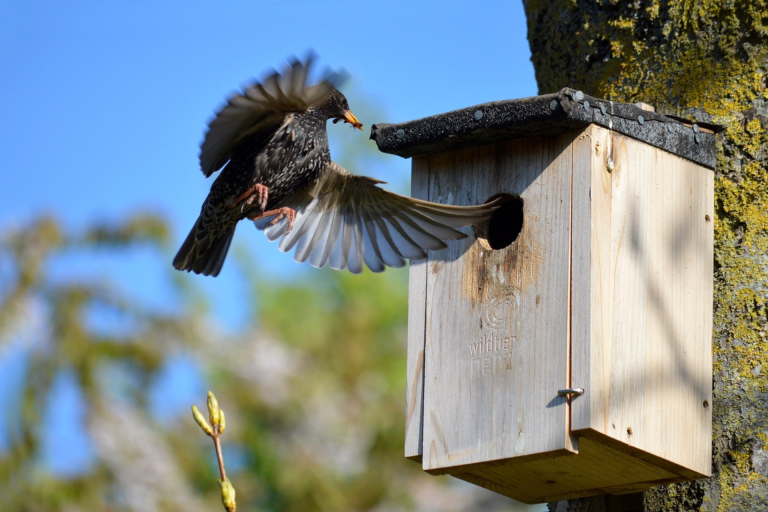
104, 104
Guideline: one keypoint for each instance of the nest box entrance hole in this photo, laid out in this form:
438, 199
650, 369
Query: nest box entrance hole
504, 226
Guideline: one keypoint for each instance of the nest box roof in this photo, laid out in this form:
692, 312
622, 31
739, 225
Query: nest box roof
549, 114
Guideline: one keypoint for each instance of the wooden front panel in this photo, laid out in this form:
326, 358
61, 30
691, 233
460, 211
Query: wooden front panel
496, 322
642, 347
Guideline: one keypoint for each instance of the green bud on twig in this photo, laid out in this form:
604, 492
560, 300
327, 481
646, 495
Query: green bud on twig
214, 430
200, 419
227, 495
213, 409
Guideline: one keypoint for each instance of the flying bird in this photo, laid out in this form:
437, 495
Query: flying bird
271, 145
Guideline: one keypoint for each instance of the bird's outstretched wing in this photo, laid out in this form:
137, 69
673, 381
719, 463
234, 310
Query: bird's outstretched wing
261, 107
347, 220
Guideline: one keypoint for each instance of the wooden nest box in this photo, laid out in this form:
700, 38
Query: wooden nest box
563, 349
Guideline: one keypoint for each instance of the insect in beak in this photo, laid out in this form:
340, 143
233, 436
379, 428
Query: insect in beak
350, 118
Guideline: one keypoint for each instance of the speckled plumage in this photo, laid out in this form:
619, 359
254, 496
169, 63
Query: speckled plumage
284, 150
274, 136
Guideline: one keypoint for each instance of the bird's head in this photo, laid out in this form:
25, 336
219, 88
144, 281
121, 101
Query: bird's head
337, 108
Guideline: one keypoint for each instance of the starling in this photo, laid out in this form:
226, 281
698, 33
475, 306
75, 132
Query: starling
272, 143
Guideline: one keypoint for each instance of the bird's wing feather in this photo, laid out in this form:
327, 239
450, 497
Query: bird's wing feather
262, 107
347, 221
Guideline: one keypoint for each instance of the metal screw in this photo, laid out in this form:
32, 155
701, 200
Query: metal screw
695, 128
586, 106
602, 108
640, 119
706, 404
478, 115
400, 133
707, 218
570, 391
578, 96
553, 105
629, 431
697, 138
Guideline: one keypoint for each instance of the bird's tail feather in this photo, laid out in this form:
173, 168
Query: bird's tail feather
194, 256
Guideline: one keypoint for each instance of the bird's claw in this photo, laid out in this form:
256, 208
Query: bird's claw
258, 191
279, 214
288, 213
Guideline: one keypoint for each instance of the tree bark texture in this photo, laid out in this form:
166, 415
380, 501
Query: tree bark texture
706, 60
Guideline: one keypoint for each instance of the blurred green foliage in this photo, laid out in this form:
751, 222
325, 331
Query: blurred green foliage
313, 386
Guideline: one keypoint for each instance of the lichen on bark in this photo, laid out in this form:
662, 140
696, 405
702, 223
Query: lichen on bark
705, 59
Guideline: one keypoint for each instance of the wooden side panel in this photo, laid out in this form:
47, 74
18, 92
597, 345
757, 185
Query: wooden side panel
417, 303
497, 332
648, 364
679, 260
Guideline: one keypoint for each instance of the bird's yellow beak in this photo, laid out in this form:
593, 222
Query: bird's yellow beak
350, 118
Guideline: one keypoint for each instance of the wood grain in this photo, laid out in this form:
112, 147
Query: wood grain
646, 361
417, 303
608, 287
596, 469
496, 349
592, 286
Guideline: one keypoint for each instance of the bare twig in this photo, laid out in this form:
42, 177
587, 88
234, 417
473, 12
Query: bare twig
214, 430
217, 445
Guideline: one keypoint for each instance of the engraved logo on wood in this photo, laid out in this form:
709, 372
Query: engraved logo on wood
491, 355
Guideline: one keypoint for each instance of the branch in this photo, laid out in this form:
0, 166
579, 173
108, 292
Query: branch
214, 430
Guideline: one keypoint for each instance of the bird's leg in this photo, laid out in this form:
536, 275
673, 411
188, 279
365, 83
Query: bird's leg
280, 213
257, 191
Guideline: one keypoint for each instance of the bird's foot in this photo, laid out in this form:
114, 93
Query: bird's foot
279, 214
258, 191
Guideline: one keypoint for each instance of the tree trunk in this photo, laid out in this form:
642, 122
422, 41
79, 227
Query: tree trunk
706, 60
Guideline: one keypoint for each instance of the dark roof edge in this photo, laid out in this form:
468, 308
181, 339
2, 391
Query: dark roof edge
549, 114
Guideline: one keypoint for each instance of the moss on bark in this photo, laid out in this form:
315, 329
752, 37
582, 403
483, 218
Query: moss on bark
705, 59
